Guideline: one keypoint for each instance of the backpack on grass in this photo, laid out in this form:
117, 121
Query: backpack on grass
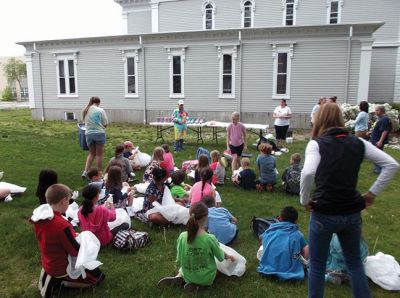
291, 180
130, 240
260, 225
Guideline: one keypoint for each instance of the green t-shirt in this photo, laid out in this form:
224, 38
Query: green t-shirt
197, 260
178, 191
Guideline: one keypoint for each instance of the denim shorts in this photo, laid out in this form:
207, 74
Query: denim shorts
96, 139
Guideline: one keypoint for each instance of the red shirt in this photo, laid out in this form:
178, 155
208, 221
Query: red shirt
56, 239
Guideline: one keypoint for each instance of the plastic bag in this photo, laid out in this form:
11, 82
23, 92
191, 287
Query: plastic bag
229, 268
121, 217
141, 187
142, 159
12, 187
72, 213
176, 213
383, 270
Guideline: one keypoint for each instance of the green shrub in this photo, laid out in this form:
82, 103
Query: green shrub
395, 105
7, 95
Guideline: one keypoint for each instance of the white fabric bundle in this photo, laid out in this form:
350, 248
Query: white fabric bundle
142, 159
12, 187
72, 212
383, 270
121, 217
229, 268
87, 255
176, 213
42, 212
141, 187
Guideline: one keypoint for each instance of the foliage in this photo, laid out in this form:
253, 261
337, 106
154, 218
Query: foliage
28, 146
7, 95
14, 70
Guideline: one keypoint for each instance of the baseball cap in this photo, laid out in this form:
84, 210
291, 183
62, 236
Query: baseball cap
180, 102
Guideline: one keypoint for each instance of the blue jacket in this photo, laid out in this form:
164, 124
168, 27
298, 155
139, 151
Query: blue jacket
282, 244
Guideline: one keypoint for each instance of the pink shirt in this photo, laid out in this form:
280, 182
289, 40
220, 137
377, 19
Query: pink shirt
196, 191
169, 161
236, 133
96, 222
213, 166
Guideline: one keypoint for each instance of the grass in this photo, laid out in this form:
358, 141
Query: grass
26, 146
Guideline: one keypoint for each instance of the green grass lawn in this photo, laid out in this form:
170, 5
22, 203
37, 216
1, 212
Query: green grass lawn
26, 146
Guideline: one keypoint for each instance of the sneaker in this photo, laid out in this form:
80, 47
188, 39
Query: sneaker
170, 281
191, 287
8, 199
84, 175
132, 174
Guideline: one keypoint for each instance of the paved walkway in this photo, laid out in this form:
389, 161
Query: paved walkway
6, 105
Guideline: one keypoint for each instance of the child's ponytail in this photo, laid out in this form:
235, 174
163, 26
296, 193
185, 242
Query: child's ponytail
93, 100
89, 192
197, 212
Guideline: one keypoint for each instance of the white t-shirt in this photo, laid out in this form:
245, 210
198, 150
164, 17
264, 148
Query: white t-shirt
279, 111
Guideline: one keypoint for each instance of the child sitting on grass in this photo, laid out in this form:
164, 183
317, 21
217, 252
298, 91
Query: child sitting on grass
220, 223
179, 190
130, 153
95, 178
47, 178
168, 158
95, 218
245, 177
266, 165
126, 166
203, 187
291, 175
121, 191
218, 167
157, 161
203, 163
283, 248
56, 239
196, 253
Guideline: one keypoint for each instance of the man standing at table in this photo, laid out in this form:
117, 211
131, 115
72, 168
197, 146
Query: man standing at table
179, 117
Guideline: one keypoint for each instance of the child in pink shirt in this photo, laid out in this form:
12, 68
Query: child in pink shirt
95, 218
203, 187
236, 140
168, 158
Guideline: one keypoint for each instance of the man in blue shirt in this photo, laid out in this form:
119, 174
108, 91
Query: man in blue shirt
380, 133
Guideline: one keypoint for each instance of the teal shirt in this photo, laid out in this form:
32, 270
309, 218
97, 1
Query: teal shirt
179, 117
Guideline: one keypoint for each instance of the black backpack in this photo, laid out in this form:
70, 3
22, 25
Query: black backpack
292, 180
260, 225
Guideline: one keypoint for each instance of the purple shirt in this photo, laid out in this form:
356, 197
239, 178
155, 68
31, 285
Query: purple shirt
236, 133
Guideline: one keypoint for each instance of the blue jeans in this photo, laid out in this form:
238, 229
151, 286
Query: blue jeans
348, 229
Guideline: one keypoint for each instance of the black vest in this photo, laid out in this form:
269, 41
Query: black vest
337, 173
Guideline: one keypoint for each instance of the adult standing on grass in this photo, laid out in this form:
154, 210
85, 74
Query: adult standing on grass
95, 122
180, 125
282, 114
236, 139
315, 109
361, 122
334, 157
380, 133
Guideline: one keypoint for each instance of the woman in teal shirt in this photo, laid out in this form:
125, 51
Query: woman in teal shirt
361, 123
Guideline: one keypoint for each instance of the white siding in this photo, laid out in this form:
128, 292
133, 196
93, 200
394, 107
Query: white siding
139, 22
180, 16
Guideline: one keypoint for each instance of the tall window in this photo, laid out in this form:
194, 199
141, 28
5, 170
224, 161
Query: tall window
290, 13
131, 76
248, 14
66, 76
130, 57
227, 58
333, 13
227, 74
282, 55
177, 72
208, 15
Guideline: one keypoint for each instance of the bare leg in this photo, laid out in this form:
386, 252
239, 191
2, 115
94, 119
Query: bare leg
99, 156
4, 192
90, 157
157, 218
235, 163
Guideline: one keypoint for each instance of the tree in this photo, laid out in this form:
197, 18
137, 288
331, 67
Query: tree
14, 70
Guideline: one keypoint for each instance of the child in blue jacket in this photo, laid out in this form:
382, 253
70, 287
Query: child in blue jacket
283, 248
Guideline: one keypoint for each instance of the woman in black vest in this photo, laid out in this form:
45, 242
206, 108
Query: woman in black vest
332, 161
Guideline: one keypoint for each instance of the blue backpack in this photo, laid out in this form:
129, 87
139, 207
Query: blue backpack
203, 151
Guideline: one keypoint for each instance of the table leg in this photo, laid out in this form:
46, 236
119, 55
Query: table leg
159, 134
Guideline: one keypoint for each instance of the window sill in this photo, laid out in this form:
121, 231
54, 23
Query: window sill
67, 95
177, 96
131, 96
283, 96
226, 96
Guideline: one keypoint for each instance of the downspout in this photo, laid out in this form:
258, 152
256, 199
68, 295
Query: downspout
346, 84
41, 80
240, 72
144, 81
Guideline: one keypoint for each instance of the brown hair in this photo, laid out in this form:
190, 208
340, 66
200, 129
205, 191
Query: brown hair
209, 201
206, 175
296, 158
93, 100
178, 177
364, 106
328, 116
114, 178
245, 162
158, 154
93, 172
119, 149
203, 162
197, 212
265, 148
56, 192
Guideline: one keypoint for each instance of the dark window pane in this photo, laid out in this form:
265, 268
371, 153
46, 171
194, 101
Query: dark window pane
289, 1
247, 23
176, 65
227, 64
61, 71
227, 84
281, 84
282, 62
333, 21
209, 6
71, 85
289, 22
289, 9
177, 84
248, 3
131, 66
71, 68
209, 17
62, 86
247, 12
334, 6
131, 84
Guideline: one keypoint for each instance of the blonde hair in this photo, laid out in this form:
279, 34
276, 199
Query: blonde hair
235, 114
295, 158
56, 192
265, 148
245, 162
216, 156
158, 154
328, 116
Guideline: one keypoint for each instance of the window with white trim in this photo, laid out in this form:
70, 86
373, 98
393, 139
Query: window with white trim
176, 59
227, 64
282, 55
67, 84
247, 9
208, 15
334, 11
289, 14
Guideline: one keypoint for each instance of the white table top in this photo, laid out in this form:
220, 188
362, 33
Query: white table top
172, 124
247, 125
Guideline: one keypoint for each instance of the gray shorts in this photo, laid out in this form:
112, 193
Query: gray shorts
96, 139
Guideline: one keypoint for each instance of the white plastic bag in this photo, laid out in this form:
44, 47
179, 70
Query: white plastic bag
72, 212
175, 213
260, 253
167, 197
87, 255
383, 270
142, 159
141, 187
121, 217
12, 187
229, 268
